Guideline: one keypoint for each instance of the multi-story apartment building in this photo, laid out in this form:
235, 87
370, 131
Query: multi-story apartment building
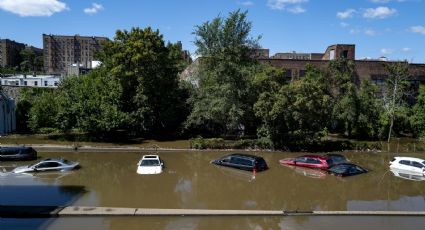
10, 53
60, 52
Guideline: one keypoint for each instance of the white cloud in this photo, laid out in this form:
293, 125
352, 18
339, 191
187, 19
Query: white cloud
417, 29
406, 49
296, 10
284, 4
379, 12
246, 3
354, 31
348, 13
386, 51
27, 8
344, 25
94, 9
370, 32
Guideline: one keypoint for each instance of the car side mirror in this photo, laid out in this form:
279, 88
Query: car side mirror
162, 163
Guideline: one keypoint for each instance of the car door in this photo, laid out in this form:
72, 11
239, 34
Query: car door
405, 165
48, 166
417, 167
301, 161
313, 163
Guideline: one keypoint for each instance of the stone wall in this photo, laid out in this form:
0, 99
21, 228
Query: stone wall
12, 91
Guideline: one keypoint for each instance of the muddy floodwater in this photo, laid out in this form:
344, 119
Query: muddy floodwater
190, 181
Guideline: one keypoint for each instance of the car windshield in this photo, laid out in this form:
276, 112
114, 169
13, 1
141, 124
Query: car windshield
337, 159
67, 162
149, 163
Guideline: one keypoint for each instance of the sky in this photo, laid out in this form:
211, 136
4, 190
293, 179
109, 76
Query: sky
391, 28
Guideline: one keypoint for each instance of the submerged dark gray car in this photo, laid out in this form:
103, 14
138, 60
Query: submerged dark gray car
242, 161
17, 153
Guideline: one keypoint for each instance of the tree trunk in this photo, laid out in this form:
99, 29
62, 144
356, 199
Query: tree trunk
391, 128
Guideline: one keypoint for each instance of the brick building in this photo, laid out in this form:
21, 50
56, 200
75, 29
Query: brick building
10, 53
60, 52
373, 70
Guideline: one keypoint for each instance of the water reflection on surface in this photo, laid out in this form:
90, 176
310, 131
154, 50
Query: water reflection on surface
190, 181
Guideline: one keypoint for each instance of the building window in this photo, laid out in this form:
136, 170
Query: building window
35, 83
25, 83
45, 83
331, 54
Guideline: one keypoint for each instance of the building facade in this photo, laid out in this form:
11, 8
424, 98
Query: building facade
7, 114
60, 52
373, 70
31, 80
10, 53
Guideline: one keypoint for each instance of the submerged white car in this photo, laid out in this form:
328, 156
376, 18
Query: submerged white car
48, 165
150, 164
408, 164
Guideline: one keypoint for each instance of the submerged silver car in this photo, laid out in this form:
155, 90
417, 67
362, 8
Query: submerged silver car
48, 165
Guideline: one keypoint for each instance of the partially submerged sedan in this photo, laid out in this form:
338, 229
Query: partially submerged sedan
346, 169
48, 165
150, 164
408, 164
242, 161
315, 161
17, 153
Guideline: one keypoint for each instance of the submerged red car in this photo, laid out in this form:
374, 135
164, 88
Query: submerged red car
315, 161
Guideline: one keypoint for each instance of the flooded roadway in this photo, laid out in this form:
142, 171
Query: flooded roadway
190, 181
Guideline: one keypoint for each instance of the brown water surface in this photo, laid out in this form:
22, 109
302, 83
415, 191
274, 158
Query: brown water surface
190, 181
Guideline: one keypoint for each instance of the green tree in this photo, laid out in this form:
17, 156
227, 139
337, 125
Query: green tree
417, 119
90, 103
394, 94
147, 70
28, 96
344, 91
369, 107
221, 104
43, 112
298, 113
30, 61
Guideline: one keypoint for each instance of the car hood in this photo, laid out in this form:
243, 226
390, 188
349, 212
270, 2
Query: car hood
149, 169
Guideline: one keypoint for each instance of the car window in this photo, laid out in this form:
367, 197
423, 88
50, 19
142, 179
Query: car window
360, 169
337, 159
150, 163
226, 159
241, 161
312, 161
8, 152
353, 170
48, 165
301, 159
404, 162
417, 164
340, 168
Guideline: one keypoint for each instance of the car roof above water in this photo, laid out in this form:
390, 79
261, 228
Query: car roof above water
409, 159
14, 147
241, 155
153, 157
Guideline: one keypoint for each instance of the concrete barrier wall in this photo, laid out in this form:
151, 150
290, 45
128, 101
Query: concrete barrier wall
69, 211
